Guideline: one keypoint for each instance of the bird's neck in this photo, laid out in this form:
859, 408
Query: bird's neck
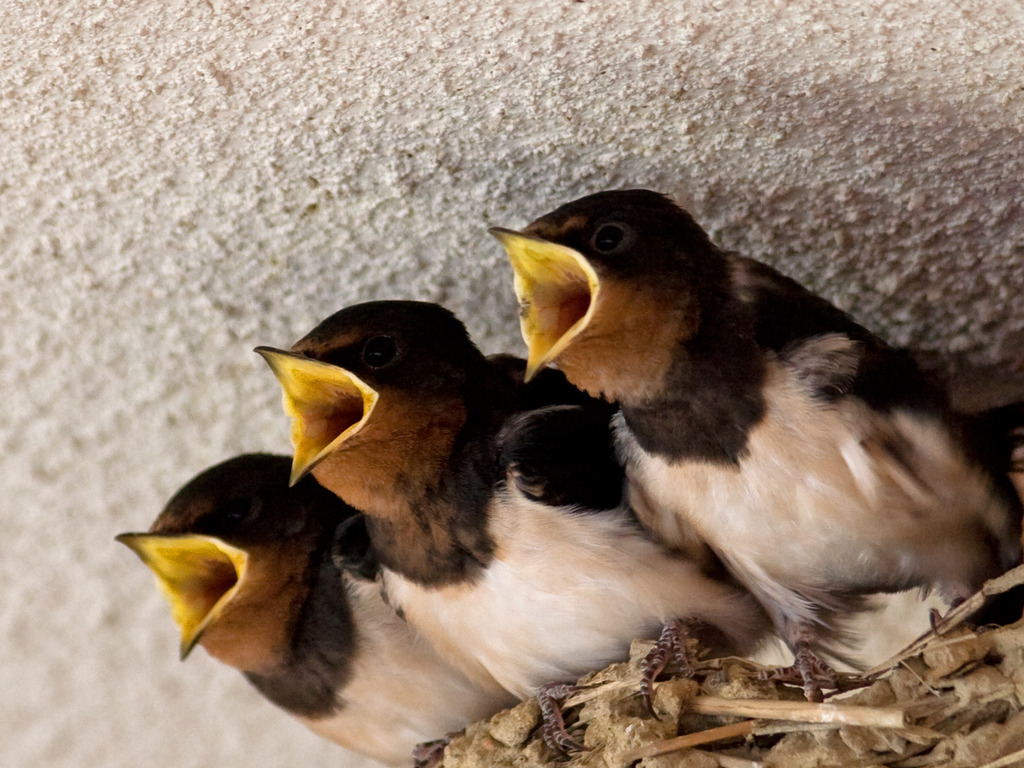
317, 661
425, 494
252, 632
711, 393
627, 347
430, 547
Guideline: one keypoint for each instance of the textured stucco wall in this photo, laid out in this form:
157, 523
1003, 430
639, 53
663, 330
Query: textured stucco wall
180, 181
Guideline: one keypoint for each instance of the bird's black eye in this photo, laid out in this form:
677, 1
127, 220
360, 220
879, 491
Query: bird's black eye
608, 237
234, 512
379, 351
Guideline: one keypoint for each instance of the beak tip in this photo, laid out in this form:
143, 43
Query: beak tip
501, 234
129, 540
297, 474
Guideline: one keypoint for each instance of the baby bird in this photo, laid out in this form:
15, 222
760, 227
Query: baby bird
278, 583
817, 461
476, 497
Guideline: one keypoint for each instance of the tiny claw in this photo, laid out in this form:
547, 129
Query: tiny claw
808, 670
672, 646
652, 666
428, 754
553, 729
813, 692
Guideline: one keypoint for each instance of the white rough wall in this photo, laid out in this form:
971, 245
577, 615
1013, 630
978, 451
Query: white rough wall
181, 181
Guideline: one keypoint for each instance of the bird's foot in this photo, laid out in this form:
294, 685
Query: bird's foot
553, 730
429, 754
673, 647
807, 670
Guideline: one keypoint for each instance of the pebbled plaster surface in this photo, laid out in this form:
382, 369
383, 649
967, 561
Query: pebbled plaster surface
181, 181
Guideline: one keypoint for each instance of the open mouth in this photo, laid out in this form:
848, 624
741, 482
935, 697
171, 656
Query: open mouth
327, 405
197, 575
557, 290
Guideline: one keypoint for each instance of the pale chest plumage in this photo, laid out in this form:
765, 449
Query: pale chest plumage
566, 594
828, 497
401, 692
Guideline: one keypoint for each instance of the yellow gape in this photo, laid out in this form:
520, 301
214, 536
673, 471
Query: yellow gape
326, 404
557, 291
198, 575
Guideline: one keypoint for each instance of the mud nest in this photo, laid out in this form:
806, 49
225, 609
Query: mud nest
955, 697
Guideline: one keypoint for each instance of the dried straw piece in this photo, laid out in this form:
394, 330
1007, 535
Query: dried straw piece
588, 693
802, 711
829, 715
731, 731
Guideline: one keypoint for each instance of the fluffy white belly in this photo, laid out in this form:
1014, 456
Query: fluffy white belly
820, 503
566, 594
401, 692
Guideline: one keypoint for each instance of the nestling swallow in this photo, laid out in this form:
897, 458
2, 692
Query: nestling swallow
817, 461
486, 549
278, 583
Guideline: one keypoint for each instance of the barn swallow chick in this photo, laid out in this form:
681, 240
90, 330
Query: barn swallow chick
817, 461
278, 583
489, 553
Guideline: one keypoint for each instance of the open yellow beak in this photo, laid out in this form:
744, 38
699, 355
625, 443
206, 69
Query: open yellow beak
198, 576
557, 291
327, 405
